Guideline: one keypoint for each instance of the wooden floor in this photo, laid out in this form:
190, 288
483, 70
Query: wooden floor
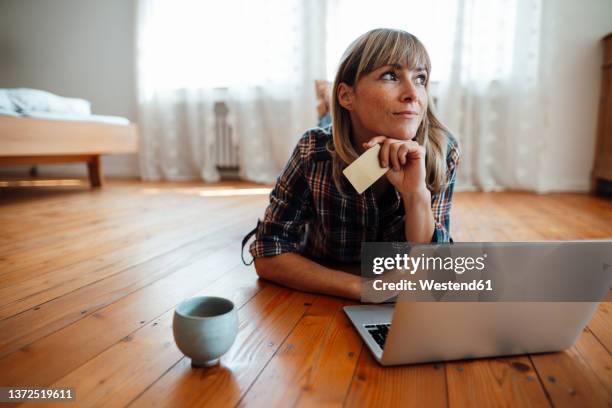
89, 280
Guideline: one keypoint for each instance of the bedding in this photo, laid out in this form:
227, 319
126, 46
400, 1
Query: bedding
34, 100
7, 112
6, 103
33, 103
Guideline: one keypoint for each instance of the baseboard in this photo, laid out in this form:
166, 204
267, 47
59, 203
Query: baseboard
556, 186
566, 186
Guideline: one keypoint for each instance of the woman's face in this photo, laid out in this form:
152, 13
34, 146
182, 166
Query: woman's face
389, 101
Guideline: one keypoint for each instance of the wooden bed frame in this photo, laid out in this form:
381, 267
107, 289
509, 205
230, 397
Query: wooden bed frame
41, 141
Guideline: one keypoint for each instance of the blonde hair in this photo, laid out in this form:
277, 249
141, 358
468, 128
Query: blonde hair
367, 53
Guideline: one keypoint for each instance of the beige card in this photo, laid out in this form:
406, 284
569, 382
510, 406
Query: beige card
364, 171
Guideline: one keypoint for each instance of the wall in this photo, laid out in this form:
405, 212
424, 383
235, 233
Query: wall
85, 48
76, 48
572, 55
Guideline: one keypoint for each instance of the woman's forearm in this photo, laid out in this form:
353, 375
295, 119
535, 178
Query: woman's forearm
419, 221
297, 272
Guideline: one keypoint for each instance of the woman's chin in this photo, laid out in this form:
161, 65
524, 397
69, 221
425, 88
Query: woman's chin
403, 135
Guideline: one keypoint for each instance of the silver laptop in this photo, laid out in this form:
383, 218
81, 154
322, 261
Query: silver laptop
416, 332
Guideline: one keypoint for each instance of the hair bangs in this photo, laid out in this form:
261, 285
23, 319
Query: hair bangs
390, 48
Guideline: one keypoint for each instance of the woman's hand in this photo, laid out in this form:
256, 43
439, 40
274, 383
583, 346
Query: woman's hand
406, 162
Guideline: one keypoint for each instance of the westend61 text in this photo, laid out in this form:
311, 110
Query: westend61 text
428, 284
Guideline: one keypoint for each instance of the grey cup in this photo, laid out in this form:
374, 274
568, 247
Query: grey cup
204, 328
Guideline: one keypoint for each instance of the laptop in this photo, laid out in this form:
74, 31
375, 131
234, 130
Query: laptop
409, 332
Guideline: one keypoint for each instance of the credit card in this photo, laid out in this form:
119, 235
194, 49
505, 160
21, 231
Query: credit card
364, 171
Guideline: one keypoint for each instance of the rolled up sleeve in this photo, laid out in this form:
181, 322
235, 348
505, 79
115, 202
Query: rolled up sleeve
441, 202
290, 209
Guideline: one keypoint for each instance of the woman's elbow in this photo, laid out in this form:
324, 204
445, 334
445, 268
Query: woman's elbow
264, 267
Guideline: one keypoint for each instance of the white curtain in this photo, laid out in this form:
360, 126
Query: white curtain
492, 98
259, 57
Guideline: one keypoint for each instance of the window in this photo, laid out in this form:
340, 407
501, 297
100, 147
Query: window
431, 21
193, 43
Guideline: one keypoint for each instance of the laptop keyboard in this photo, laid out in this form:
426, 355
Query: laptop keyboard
378, 332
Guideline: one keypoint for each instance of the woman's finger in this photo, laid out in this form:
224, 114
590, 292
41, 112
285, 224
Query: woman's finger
402, 153
420, 151
376, 140
393, 156
414, 149
383, 155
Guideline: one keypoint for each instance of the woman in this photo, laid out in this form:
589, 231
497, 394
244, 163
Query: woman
380, 96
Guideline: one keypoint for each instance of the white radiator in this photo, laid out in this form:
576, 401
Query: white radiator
226, 153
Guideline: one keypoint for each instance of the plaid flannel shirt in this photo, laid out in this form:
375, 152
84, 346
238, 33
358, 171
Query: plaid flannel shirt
308, 215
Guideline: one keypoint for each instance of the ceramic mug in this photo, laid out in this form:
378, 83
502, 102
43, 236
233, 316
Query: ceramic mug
205, 328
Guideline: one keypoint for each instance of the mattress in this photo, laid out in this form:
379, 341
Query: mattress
113, 120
